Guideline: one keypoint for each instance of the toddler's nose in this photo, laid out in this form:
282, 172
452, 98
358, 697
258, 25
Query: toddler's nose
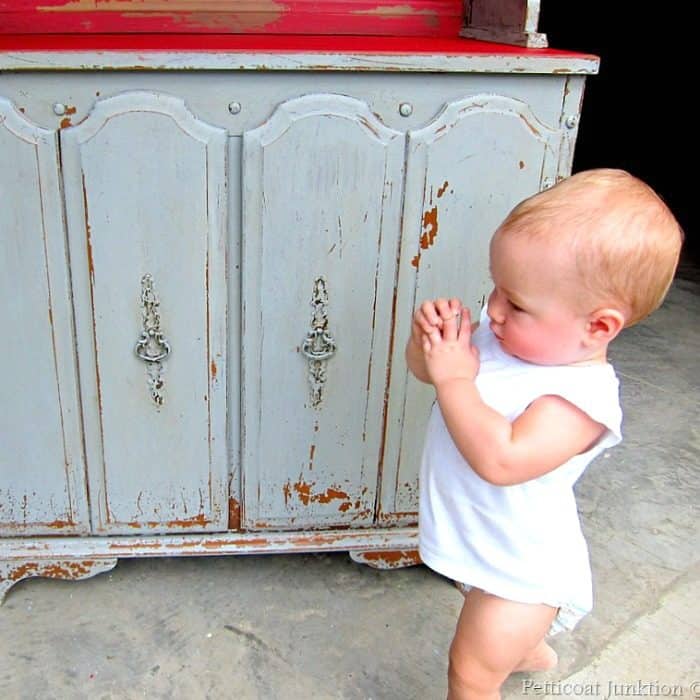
494, 309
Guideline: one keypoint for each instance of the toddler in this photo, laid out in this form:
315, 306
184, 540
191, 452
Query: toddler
526, 399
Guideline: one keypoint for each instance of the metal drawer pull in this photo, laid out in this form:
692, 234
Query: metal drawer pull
318, 346
152, 346
159, 340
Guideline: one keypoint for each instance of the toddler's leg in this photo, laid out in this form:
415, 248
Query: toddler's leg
493, 638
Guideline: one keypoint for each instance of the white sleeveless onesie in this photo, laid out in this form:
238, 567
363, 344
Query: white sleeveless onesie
520, 542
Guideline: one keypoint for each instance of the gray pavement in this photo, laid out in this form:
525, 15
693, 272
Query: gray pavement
294, 627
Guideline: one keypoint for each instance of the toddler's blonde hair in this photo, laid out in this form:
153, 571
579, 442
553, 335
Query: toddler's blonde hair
624, 239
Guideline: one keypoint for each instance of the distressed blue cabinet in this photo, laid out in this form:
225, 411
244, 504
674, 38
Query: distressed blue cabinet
42, 469
208, 280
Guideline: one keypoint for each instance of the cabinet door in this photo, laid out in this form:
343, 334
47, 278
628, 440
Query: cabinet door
465, 171
322, 191
42, 476
146, 201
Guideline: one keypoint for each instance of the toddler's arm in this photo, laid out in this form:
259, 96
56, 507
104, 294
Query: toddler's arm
547, 434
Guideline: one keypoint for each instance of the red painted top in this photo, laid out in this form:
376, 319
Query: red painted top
275, 43
375, 17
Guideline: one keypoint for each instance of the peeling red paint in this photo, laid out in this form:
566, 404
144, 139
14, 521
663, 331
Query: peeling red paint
60, 524
306, 496
430, 228
60, 570
389, 559
234, 514
141, 545
213, 545
407, 518
441, 191
200, 520
213, 369
65, 123
257, 542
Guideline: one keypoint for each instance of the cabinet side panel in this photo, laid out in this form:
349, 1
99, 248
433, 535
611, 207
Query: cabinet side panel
42, 485
464, 173
146, 216
321, 216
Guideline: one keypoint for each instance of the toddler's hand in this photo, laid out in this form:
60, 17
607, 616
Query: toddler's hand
432, 315
449, 354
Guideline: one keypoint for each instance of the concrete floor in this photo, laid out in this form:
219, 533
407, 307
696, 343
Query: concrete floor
319, 626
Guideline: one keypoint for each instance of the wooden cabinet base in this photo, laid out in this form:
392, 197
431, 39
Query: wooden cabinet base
81, 557
12, 571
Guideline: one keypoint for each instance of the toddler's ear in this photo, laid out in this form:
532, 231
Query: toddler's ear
604, 324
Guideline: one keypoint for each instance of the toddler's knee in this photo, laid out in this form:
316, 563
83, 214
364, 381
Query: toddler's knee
467, 676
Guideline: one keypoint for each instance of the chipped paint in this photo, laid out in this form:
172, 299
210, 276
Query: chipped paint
88, 234
430, 224
530, 126
404, 518
60, 524
81, 557
66, 121
234, 514
130, 545
182, 15
394, 11
305, 495
24, 524
389, 559
430, 228
200, 520
73, 569
439, 18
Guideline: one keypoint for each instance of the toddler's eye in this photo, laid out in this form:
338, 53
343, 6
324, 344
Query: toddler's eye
515, 307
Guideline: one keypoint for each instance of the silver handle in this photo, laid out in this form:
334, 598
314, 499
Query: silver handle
318, 345
159, 340
152, 346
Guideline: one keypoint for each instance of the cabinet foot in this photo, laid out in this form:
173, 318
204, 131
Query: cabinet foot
387, 559
12, 572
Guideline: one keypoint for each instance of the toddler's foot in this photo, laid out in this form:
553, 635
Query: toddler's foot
541, 658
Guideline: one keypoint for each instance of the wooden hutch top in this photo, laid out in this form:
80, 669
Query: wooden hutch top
369, 35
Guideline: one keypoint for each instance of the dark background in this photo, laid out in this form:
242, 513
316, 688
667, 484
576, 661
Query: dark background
636, 112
